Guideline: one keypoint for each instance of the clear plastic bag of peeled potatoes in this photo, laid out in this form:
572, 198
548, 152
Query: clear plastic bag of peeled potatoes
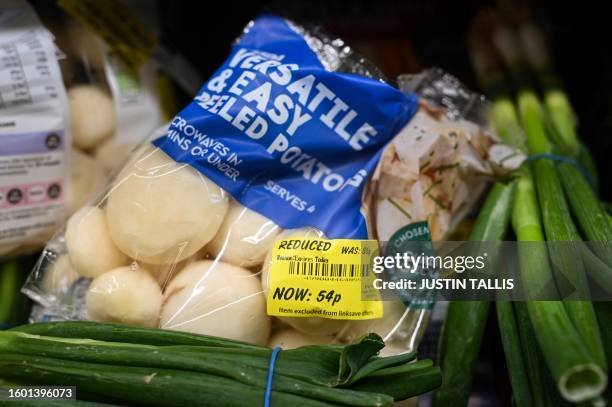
288, 141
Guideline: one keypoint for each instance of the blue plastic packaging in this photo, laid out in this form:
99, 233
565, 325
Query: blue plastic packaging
286, 137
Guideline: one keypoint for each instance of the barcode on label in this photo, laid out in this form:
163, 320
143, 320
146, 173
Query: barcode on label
328, 269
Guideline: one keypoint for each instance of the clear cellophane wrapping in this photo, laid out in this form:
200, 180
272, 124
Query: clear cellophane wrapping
165, 247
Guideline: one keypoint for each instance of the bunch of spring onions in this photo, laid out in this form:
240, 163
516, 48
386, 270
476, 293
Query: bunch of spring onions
118, 364
555, 350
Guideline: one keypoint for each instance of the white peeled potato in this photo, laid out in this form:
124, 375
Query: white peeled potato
127, 295
92, 116
91, 250
86, 177
307, 325
164, 273
59, 276
160, 211
288, 338
112, 154
218, 299
244, 237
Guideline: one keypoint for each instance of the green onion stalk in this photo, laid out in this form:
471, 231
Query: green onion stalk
591, 215
521, 378
490, 72
530, 351
578, 375
548, 321
559, 227
537, 56
579, 187
465, 322
559, 118
133, 365
570, 346
557, 220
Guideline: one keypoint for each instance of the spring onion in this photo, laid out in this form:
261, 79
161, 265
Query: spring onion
507, 320
140, 365
577, 373
465, 321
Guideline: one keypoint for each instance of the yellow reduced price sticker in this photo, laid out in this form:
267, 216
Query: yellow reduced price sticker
323, 278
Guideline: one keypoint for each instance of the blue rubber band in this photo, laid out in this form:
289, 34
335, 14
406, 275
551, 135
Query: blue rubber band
273, 357
5, 325
566, 160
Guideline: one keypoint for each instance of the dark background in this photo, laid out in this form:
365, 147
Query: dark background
407, 36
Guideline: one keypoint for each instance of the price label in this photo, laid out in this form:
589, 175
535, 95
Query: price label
323, 278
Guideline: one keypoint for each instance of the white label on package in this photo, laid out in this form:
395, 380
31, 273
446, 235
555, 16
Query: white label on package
34, 141
135, 98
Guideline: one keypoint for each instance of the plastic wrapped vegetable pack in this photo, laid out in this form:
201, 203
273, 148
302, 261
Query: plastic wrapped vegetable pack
112, 106
120, 84
81, 112
284, 142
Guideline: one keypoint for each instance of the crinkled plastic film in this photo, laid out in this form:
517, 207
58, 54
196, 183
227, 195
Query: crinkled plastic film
108, 110
336, 55
448, 93
166, 247
111, 107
